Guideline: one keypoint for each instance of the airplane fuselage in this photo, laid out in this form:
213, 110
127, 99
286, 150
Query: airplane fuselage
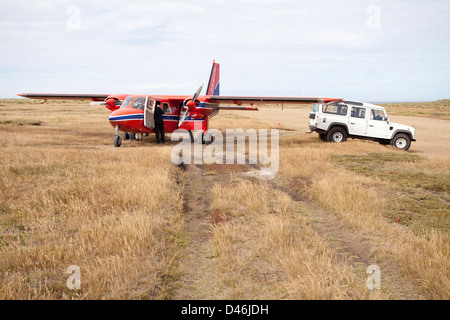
130, 116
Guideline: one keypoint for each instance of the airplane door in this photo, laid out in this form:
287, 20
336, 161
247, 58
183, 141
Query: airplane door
149, 110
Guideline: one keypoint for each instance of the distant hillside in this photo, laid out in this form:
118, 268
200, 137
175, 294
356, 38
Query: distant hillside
437, 109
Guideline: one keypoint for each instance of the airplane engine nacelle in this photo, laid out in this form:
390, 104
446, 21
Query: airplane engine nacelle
113, 103
196, 116
205, 109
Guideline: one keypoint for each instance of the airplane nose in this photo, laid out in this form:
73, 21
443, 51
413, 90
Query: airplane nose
126, 118
114, 113
114, 117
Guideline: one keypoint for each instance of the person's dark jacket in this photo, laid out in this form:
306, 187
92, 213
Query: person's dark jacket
158, 116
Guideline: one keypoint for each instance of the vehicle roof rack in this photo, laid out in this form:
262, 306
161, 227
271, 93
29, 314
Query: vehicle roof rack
354, 102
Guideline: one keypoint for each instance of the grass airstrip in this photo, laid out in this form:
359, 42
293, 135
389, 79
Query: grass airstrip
139, 227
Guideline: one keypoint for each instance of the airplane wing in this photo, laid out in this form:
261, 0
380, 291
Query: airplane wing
65, 96
251, 103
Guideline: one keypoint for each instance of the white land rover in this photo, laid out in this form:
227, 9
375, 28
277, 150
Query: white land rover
339, 120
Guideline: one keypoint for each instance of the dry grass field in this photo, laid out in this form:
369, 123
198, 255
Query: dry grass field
437, 109
139, 227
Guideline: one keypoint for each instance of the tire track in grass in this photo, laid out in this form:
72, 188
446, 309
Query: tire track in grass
352, 247
198, 183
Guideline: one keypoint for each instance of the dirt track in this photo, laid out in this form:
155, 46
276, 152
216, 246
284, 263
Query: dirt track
433, 135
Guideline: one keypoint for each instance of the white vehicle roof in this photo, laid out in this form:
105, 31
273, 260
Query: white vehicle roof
363, 104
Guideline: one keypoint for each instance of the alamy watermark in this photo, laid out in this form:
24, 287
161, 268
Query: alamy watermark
230, 149
374, 19
374, 280
74, 281
74, 19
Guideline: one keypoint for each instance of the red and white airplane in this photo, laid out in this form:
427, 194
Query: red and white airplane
134, 113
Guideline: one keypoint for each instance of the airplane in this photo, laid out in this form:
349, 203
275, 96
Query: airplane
132, 113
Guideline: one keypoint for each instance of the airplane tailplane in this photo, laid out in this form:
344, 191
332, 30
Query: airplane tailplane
214, 80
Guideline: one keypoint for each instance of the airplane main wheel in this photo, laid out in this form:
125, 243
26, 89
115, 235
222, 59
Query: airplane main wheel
191, 136
117, 140
207, 138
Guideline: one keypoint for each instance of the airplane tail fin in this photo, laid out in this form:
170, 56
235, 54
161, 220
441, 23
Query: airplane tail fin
214, 80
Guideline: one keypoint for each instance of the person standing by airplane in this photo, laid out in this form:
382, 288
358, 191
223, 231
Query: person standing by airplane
159, 124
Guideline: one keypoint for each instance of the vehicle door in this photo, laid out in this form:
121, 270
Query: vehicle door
378, 126
357, 124
149, 110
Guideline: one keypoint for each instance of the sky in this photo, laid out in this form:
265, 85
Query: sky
377, 50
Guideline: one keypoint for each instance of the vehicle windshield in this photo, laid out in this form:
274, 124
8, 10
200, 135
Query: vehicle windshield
139, 103
126, 102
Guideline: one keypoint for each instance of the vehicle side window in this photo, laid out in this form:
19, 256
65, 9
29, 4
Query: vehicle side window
358, 113
315, 107
377, 115
338, 109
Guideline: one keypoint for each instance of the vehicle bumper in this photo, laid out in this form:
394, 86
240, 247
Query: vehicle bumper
312, 127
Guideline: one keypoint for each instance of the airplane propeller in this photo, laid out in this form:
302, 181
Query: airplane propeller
190, 104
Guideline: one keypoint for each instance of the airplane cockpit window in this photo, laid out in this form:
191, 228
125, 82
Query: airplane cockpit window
126, 102
139, 103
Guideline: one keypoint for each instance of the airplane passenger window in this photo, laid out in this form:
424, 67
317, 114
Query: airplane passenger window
166, 108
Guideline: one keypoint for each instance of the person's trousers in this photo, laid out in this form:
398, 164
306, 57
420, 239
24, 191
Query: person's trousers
159, 130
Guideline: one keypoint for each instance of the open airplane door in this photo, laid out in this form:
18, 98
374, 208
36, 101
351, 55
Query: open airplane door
149, 110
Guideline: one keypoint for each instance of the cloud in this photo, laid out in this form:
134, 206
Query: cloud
269, 47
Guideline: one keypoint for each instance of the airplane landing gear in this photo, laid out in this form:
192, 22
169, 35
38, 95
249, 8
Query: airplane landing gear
117, 138
206, 138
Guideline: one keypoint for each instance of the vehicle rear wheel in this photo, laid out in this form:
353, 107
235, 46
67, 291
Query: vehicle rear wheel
401, 141
337, 135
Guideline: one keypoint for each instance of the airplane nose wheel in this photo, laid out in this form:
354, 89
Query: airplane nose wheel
117, 138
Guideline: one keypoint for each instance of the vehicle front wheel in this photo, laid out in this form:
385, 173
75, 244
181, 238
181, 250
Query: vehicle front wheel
337, 135
401, 141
